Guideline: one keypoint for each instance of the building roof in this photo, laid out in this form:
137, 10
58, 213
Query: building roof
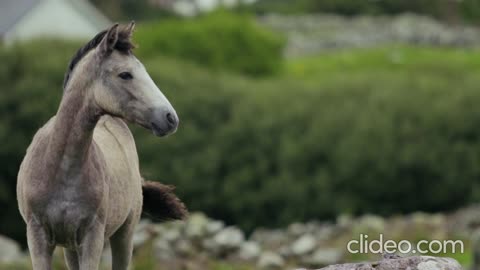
94, 15
12, 11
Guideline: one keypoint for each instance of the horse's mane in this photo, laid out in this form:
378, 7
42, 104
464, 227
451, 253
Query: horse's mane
124, 45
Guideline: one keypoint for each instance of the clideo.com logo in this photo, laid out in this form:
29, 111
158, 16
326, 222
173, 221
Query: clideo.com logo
381, 246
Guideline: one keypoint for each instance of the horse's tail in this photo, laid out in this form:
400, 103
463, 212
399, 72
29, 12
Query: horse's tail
160, 203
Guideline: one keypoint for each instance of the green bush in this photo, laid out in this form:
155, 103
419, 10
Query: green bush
219, 41
382, 131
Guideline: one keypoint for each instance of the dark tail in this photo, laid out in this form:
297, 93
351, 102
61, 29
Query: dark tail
160, 203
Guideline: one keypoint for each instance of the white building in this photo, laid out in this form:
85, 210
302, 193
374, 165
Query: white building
67, 19
194, 7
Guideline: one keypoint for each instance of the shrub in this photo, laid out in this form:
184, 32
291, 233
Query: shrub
382, 131
219, 41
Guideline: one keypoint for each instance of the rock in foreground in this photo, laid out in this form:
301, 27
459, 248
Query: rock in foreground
417, 262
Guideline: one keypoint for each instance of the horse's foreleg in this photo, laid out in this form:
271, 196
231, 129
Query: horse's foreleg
122, 247
40, 248
91, 247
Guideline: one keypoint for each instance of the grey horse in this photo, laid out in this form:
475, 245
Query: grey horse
79, 184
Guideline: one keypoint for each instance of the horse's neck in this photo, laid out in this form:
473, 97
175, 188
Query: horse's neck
72, 132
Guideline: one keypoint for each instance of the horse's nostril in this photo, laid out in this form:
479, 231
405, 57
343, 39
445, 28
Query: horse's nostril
171, 119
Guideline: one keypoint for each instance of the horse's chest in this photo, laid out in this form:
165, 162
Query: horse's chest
67, 213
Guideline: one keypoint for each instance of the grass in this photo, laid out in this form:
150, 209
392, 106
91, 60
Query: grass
400, 60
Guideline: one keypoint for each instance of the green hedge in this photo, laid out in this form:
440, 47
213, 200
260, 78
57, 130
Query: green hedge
221, 41
382, 131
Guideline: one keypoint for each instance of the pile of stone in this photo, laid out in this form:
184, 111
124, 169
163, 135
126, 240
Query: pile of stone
312, 244
193, 243
311, 34
200, 237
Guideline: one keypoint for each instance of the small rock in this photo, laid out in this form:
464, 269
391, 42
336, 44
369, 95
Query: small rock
171, 234
369, 223
476, 250
249, 251
163, 250
211, 247
270, 260
229, 238
140, 238
214, 227
196, 225
304, 245
420, 219
9, 250
344, 221
270, 239
324, 257
184, 247
326, 232
296, 229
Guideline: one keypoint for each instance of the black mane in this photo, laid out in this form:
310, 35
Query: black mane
123, 45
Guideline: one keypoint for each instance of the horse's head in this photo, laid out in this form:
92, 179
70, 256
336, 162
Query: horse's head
124, 87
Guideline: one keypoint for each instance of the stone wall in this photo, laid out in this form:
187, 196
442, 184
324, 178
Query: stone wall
311, 34
315, 244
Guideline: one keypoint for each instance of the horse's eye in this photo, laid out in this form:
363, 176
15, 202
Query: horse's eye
125, 75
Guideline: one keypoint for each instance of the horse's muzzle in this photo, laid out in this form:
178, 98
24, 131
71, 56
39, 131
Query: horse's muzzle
164, 122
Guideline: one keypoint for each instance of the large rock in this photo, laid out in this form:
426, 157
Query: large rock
304, 245
270, 260
418, 263
9, 250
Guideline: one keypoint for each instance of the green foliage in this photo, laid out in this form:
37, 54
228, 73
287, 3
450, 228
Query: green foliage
126, 10
219, 41
383, 131
31, 79
444, 9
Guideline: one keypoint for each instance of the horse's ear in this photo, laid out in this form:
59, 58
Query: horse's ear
131, 28
107, 45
